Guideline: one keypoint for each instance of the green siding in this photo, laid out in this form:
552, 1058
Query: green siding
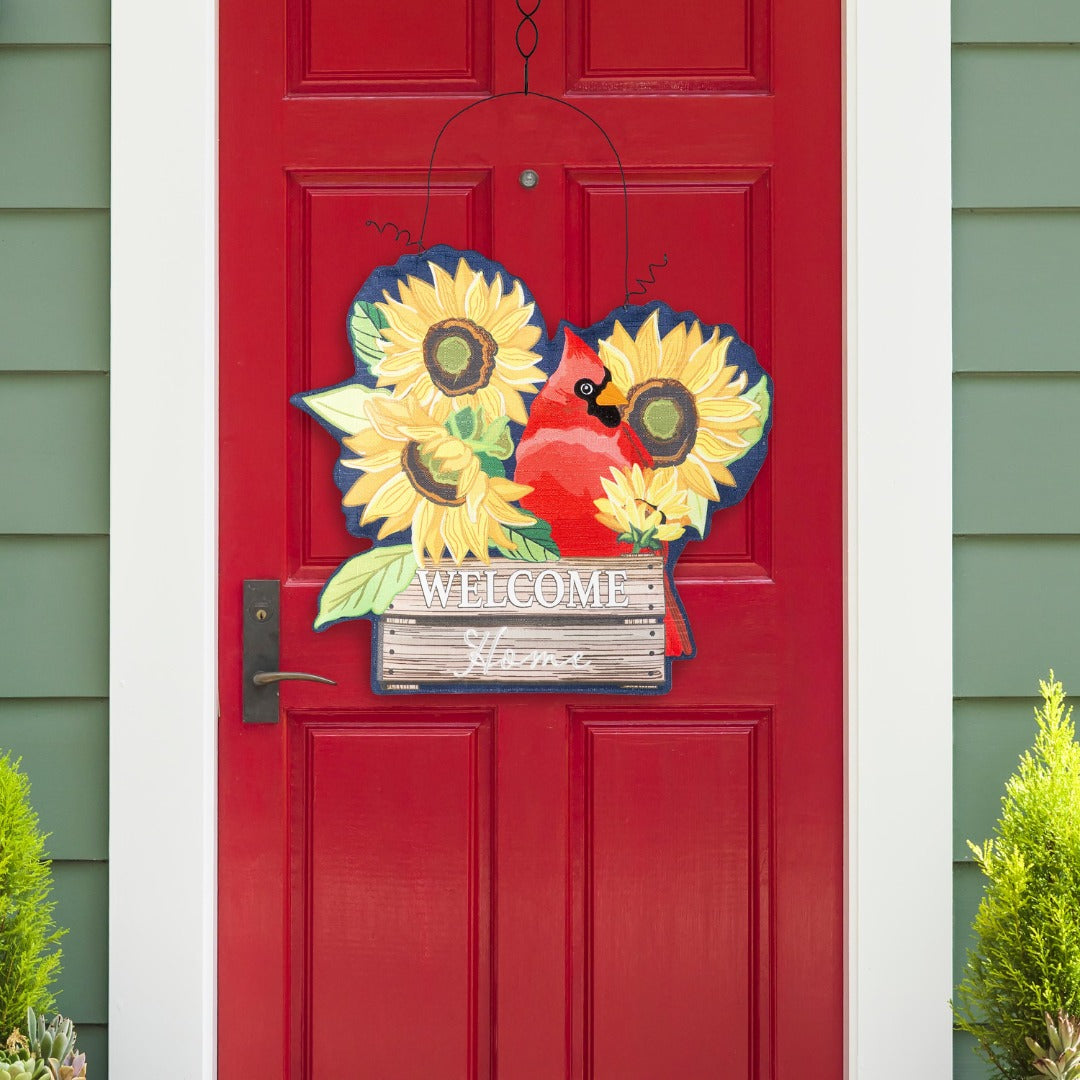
1011, 21
82, 905
1016, 265
988, 739
1016, 454
54, 631
1015, 280
53, 127
49, 736
1016, 603
54, 400
54, 22
54, 454
1014, 135
54, 290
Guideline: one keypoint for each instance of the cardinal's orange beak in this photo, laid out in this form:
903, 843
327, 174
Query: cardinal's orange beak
611, 395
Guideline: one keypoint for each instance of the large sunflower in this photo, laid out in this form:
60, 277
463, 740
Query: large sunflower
419, 477
645, 508
684, 401
460, 341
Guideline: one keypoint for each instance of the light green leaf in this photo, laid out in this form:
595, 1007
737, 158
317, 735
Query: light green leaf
760, 394
699, 511
533, 543
366, 584
365, 324
494, 439
342, 406
497, 439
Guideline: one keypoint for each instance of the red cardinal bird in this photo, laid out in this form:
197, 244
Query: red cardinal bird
574, 437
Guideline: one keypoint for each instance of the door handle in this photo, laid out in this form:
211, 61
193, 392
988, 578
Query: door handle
266, 678
262, 631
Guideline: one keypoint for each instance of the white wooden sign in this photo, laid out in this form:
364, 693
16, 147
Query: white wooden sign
574, 621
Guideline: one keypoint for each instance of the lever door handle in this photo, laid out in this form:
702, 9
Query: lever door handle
262, 655
265, 678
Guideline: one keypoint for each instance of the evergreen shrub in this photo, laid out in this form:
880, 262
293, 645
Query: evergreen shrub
1026, 960
29, 950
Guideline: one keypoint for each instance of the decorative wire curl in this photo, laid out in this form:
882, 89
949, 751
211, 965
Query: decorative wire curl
645, 282
399, 232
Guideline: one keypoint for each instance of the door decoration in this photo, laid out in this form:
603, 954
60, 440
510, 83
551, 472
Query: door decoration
528, 497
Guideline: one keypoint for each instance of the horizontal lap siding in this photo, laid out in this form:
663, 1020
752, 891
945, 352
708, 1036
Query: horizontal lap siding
54, 400
1016, 234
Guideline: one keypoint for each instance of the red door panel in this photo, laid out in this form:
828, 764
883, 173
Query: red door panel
528, 887
390, 819
671, 883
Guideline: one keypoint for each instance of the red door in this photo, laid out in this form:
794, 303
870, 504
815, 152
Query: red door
522, 886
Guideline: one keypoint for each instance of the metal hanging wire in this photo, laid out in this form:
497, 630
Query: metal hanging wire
527, 38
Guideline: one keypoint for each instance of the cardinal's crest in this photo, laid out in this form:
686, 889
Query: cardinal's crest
528, 496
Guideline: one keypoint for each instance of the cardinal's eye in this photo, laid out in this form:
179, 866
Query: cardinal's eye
585, 389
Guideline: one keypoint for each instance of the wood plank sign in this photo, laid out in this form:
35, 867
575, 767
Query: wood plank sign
528, 496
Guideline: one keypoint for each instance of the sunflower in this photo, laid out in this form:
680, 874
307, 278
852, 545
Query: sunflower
684, 401
460, 341
418, 476
644, 507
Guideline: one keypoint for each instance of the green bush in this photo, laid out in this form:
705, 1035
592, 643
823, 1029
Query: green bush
29, 953
1026, 960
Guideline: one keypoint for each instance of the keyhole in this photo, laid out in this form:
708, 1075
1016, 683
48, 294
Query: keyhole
529, 178
262, 614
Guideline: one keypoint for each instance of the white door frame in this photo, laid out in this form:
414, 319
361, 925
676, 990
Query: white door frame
164, 538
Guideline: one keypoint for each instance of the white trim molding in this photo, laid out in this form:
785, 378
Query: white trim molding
163, 594
899, 543
162, 801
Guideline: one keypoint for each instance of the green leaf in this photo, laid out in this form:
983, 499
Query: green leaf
760, 394
494, 439
491, 465
365, 324
699, 511
462, 423
497, 440
534, 543
342, 406
366, 584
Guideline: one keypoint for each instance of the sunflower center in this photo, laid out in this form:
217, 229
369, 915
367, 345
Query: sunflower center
459, 356
664, 416
435, 488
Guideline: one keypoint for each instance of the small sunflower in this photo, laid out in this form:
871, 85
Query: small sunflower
459, 341
418, 476
645, 508
684, 401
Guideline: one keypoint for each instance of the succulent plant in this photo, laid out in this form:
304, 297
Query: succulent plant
1061, 1058
46, 1052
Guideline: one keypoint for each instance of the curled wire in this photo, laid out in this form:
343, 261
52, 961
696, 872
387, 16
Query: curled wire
381, 227
527, 38
644, 283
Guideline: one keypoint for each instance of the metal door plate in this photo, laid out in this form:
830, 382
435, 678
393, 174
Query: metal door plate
262, 626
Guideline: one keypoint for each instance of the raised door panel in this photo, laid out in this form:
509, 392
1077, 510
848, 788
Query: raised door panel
672, 869
695, 46
392, 858
424, 46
